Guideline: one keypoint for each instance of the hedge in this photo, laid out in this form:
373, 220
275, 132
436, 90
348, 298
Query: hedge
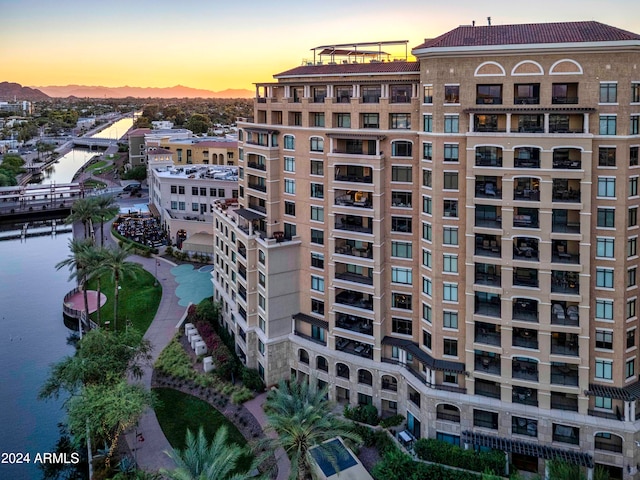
437, 451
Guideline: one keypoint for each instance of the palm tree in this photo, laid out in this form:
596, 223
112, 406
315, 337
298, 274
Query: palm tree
114, 263
78, 263
302, 418
94, 258
203, 461
106, 208
83, 210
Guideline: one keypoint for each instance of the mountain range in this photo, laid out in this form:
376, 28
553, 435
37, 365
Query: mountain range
10, 91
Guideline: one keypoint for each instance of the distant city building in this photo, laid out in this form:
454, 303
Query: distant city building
19, 108
162, 125
453, 239
85, 123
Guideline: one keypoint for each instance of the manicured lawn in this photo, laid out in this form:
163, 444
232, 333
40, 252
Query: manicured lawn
96, 165
178, 412
138, 301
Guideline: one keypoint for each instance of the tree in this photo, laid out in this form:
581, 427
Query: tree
77, 262
94, 258
107, 411
106, 208
301, 416
116, 265
201, 460
199, 123
83, 210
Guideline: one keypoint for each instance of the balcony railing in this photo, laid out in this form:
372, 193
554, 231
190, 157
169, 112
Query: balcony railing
355, 324
354, 348
487, 389
526, 163
310, 338
347, 249
525, 371
341, 224
561, 402
564, 376
257, 166
487, 364
482, 335
489, 309
354, 300
258, 187
448, 417
353, 178
354, 277
526, 100
488, 279
570, 348
564, 100
387, 385
525, 396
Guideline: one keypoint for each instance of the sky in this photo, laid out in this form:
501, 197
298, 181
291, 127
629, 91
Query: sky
216, 45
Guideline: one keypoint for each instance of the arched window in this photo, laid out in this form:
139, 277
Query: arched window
448, 412
389, 383
365, 377
303, 356
608, 441
321, 364
342, 370
289, 142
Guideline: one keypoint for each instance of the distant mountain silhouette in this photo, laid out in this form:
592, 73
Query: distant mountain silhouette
14, 91
179, 91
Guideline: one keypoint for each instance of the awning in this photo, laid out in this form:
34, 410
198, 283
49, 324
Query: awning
199, 242
628, 393
249, 214
527, 448
303, 317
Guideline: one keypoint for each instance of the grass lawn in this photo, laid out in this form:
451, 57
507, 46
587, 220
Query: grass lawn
94, 183
138, 301
96, 165
178, 412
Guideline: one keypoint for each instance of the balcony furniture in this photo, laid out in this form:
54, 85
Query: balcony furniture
558, 311
572, 313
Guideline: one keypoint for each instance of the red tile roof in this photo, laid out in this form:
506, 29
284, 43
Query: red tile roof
565, 32
355, 68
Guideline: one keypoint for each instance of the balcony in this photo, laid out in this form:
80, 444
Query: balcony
566, 434
524, 396
563, 251
487, 274
489, 123
525, 248
349, 276
487, 363
353, 347
353, 198
525, 309
608, 443
260, 187
527, 189
346, 146
353, 223
564, 344
352, 173
355, 299
564, 401
564, 374
488, 246
488, 157
487, 388
526, 157
565, 282
525, 338
567, 159
524, 426
354, 248
565, 315
561, 123
564, 94
488, 216
487, 333
389, 383
565, 190
257, 165
488, 187
527, 123
448, 413
526, 218
487, 304
525, 277
565, 221
306, 336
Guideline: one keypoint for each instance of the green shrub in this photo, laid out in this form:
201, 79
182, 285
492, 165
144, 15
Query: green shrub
251, 379
392, 421
375, 438
437, 451
241, 395
175, 362
168, 250
362, 413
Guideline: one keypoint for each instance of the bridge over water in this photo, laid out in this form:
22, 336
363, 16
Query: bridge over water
22, 200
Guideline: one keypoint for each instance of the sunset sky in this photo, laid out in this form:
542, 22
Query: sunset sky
217, 45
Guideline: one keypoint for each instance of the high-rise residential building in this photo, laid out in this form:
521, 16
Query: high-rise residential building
454, 239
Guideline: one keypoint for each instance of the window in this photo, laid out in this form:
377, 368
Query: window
427, 231
289, 142
317, 260
427, 151
604, 277
317, 236
450, 236
607, 124
400, 174
450, 319
608, 92
401, 249
450, 263
635, 92
289, 230
634, 125
261, 257
451, 124
632, 219
262, 279
317, 167
317, 306
317, 190
401, 224
451, 208
317, 119
181, 190
631, 338
603, 402
426, 339
427, 286
428, 122
633, 187
607, 157
317, 283
289, 164
174, 205
633, 156
427, 96
450, 292
194, 190
401, 121
604, 309
604, 339
427, 205
426, 313
289, 186
632, 247
632, 277
343, 120
401, 275
604, 369
401, 326
426, 258
451, 152
370, 120
260, 347
452, 94
489, 95
604, 247
630, 368
371, 93
606, 217
262, 303
401, 300
290, 208
606, 187
195, 206
317, 214
316, 144
401, 149
451, 180
427, 178
181, 206
296, 119
631, 308
450, 347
